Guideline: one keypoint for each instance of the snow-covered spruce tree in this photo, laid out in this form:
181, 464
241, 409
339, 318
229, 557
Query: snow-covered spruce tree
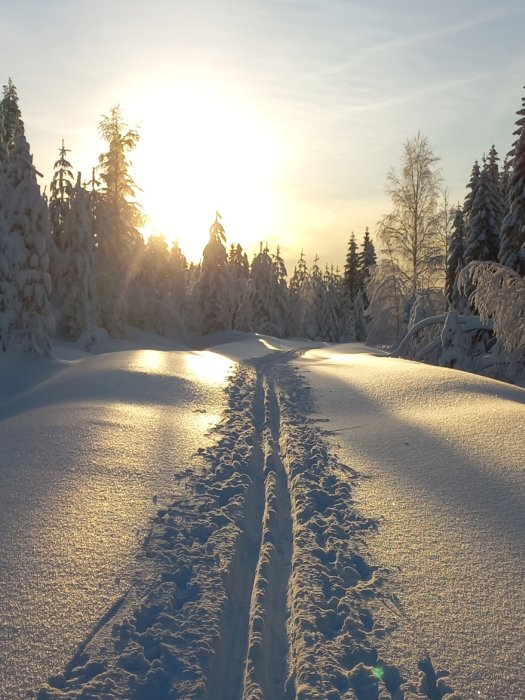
241, 289
505, 186
512, 238
472, 187
297, 282
178, 294
60, 195
59, 203
77, 309
367, 260
213, 291
318, 293
13, 125
446, 216
352, 277
267, 318
410, 231
119, 244
329, 320
482, 242
360, 324
456, 260
281, 296
154, 309
28, 322
7, 288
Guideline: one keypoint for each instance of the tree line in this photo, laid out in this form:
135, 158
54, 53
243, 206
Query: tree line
73, 260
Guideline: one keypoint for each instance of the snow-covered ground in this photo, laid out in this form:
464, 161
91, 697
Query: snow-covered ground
335, 525
441, 462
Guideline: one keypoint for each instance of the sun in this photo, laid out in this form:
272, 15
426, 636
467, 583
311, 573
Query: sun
202, 151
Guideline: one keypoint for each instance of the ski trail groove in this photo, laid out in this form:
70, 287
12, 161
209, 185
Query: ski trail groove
266, 668
227, 669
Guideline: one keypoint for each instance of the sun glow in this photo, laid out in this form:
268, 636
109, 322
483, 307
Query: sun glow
201, 151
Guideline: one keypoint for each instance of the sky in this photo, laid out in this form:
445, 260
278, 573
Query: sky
283, 115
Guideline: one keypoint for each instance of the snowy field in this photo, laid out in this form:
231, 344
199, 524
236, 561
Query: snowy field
258, 519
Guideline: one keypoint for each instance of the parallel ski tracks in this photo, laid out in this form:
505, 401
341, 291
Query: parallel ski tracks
251, 658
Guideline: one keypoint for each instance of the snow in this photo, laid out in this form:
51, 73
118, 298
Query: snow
441, 460
258, 519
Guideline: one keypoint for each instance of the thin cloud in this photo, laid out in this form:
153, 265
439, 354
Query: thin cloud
420, 38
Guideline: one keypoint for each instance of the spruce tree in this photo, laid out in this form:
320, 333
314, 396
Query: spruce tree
59, 204
329, 321
13, 126
367, 261
469, 198
60, 194
178, 268
7, 288
352, 278
482, 241
28, 322
281, 296
456, 258
241, 288
119, 244
266, 318
318, 293
213, 290
512, 240
300, 274
77, 310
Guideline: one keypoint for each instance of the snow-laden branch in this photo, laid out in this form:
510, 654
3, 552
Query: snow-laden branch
499, 294
468, 324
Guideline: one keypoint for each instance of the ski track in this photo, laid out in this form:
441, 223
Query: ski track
254, 584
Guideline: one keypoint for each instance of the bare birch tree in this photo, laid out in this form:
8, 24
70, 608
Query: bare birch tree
411, 231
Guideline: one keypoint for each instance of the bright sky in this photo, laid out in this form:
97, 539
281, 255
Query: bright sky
285, 115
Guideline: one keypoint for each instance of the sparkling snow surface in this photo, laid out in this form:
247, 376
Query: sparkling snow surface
441, 458
90, 449
143, 558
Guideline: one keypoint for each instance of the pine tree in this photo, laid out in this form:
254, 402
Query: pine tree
77, 310
456, 258
213, 291
512, 240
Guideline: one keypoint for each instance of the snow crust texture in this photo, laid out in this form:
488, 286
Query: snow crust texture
255, 583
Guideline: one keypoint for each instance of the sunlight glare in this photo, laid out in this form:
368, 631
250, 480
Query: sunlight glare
208, 367
202, 151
